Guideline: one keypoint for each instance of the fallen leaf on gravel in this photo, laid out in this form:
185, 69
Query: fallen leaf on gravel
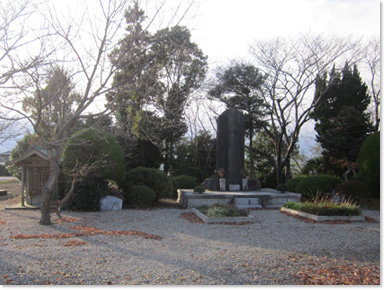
191, 217
88, 231
2, 222
370, 220
333, 272
74, 243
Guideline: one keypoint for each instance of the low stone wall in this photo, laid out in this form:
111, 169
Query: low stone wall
267, 198
323, 218
209, 220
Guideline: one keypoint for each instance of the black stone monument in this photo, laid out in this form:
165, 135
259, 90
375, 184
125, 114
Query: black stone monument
230, 146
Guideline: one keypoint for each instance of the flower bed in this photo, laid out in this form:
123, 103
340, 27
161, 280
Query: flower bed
324, 210
222, 214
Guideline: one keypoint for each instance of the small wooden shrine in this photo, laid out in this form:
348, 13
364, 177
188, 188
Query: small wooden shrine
34, 174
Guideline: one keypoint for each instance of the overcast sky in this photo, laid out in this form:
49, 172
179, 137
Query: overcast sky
224, 29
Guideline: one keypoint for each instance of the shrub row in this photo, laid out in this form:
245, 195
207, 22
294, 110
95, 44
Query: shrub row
309, 185
157, 181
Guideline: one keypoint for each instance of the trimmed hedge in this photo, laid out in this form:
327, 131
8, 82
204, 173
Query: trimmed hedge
309, 185
292, 183
354, 189
369, 163
141, 196
183, 182
155, 179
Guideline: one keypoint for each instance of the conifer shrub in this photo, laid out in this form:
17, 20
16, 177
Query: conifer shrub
310, 185
141, 196
155, 179
354, 189
369, 163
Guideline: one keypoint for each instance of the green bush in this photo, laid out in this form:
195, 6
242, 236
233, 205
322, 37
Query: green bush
312, 184
97, 150
141, 196
87, 195
184, 182
369, 163
282, 187
199, 189
354, 189
4, 171
292, 183
155, 179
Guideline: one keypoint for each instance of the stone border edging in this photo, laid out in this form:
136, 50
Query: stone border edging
209, 220
323, 218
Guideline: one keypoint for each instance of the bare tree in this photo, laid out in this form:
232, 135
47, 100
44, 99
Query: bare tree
292, 66
371, 58
87, 59
13, 41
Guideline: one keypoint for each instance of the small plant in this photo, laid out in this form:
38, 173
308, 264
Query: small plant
217, 210
325, 206
282, 187
199, 189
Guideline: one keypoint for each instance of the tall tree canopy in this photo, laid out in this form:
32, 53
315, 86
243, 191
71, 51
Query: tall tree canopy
342, 120
239, 86
155, 85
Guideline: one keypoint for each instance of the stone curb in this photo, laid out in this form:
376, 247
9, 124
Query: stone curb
209, 220
324, 218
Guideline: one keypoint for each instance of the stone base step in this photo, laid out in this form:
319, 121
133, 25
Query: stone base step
245, 202
245, 206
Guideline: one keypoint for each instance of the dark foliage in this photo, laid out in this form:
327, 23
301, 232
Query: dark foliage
4, 171
183, 182
155, 179
369, 163
354, 189
140, 196
97, 150
199, 189
87, 195
308, 186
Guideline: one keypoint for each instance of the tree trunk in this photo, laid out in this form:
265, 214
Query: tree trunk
48, 188
252, 166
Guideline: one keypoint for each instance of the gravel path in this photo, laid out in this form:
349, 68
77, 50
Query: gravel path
271, 251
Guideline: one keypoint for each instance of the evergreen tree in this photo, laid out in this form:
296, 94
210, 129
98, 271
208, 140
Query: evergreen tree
342, 121
239, 86
154, 85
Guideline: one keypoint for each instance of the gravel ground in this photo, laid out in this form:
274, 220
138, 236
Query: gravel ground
271, 251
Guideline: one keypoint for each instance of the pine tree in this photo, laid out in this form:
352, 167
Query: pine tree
342, 122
